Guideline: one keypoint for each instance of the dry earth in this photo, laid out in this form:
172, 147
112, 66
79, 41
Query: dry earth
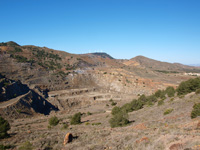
149, 128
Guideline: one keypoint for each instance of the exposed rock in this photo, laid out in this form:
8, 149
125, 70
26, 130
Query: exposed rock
68, 138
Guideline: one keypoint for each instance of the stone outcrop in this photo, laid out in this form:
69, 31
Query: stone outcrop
68, 138
26, 105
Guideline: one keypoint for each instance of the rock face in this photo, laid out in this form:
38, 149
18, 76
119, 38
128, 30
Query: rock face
10, 88
26, 105
17, 100
68, 138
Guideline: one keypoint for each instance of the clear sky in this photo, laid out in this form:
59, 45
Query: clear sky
166, 30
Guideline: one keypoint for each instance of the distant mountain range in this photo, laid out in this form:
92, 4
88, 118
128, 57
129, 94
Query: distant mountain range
195, 65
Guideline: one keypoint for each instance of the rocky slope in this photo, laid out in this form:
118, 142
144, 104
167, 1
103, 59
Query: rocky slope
37, 83
58, 70
31, 67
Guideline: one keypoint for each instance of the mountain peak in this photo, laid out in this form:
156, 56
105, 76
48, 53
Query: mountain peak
103, 55
10, 43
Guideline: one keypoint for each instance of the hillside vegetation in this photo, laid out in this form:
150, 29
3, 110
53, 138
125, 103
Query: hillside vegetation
101, 102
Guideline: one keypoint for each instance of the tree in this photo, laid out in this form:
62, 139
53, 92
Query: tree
4, 127
115, 110
170, 91
158, 93
120, 119
76, 119
188, 86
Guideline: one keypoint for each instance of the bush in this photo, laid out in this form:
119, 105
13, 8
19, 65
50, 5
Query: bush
170, 91
119, 120
143, 98
53, 121
89, 113
76, 119
65, 126
115, 110
168, 111
132, 106
160, 102
151, 100
4, 127
196, 111
188, 86
160, 94
111, 100
26, 146
113, 103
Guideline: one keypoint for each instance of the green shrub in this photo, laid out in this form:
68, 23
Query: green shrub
188, 86
53, 121
110, 100
132, 106
158, 93
19, 58
143, 98
119, 120
196, 111
115, 110
160, 102
151, 99
4, 127
76, 119
89, 113
65, 126
26, 146
87, 123
18, 49
170, 91
168, 111
113, 103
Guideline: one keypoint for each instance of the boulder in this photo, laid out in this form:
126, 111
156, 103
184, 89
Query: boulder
68, 138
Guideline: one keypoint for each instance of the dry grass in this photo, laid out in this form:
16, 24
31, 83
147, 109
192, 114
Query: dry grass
150, 129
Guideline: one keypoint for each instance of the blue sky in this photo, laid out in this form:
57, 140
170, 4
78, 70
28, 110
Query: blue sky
166, 30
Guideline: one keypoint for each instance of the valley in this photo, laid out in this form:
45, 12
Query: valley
38, 83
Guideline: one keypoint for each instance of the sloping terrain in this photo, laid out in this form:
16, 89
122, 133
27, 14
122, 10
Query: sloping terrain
160, 66
37, 83
57, 70
149, 128
19, 101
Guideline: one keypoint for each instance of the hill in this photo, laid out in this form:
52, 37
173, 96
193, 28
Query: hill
58, 70
38, 83
162, 66
166, 125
